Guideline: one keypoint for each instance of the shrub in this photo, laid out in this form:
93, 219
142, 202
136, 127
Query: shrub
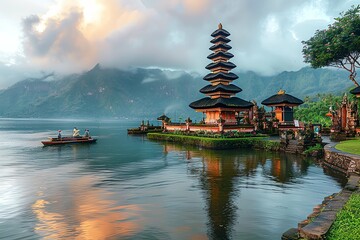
217, 142
315, 151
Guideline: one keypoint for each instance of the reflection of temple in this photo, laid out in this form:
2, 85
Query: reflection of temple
284, 168
222, 173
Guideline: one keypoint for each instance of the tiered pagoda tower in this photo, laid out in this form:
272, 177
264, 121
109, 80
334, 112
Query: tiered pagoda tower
220, 103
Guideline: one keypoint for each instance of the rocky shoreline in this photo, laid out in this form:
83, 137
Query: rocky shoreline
320, 220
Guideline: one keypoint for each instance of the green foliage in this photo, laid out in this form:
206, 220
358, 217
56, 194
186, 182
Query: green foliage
314, 109
267, 145
338, 45
211, 134
346, 225
317, 148
217, 143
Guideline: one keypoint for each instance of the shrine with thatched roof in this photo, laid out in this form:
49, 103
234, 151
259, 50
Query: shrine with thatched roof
282, 105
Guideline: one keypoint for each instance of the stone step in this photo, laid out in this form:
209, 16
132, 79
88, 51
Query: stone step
318, 228
291, 234
291, 148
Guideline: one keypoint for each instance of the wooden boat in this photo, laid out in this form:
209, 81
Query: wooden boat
68, 140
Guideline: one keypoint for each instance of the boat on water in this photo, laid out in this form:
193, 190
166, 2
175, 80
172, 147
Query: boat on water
68, 140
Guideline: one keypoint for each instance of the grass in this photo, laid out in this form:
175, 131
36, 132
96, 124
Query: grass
347, 223
350, 146
217, 143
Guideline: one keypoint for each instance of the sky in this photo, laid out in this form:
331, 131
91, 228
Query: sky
72, 36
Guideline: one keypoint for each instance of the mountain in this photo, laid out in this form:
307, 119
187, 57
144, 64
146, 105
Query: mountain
148, 93
305, 82
139, 93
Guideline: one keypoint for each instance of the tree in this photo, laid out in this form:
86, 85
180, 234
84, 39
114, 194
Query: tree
338, 45
315, 108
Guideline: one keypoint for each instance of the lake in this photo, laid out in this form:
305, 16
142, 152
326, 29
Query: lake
127, 187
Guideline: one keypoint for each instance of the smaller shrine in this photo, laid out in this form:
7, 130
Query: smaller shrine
356, 92
164, 120
344, 118
282, 106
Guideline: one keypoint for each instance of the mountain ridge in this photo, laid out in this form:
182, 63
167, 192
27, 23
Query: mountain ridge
148, 93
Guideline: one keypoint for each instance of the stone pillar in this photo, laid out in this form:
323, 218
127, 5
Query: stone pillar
221, 124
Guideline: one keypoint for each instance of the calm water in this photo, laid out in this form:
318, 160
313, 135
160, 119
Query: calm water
126, 187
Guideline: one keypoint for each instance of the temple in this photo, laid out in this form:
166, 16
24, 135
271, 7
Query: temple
282, 105
223, 111
220, 103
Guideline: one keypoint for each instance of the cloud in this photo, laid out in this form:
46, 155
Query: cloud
74, 35
67, 37
166, 74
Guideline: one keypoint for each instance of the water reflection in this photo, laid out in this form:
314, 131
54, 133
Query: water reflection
130, 188
285, 168
83, 212
224, 173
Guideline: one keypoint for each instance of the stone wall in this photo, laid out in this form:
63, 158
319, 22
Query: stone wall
341, 161
171, 127
318, 223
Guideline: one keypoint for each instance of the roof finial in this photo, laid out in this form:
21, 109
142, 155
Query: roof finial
220, 26
281, 92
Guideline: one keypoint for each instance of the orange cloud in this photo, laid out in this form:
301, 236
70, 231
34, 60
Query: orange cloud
108, 16
69, 36
197, 6
90, 215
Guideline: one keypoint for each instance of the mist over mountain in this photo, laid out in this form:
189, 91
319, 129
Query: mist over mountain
148, 93
305, 82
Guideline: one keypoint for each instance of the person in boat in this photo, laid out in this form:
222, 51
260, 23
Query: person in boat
87, 133
76, 132
59, 134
